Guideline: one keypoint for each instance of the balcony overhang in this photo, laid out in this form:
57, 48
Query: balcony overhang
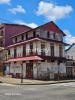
34, 58
36, 39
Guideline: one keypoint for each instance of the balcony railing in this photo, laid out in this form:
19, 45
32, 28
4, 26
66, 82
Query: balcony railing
70, 64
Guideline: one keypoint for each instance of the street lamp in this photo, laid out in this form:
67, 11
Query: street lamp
21, 72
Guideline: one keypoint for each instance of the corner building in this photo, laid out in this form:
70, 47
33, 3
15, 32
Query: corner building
38, 53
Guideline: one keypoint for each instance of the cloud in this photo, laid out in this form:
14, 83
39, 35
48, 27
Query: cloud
18, 9
52, 11
32, 25
69, 38
5, 1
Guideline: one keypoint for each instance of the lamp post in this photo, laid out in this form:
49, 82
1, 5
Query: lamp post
21, 72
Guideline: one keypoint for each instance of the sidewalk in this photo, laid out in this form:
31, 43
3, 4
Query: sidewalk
30, 82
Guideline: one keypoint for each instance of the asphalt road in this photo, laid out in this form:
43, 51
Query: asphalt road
63, 91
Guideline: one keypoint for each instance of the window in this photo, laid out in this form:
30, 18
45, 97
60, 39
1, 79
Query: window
31, 48
54, 35
22, 37
51, 35
43, 49
15, 39
24, 50
1, 43
61, 37
57, 36
8, 52
14, 52
1, 33
60, 51
26, 36
52, 49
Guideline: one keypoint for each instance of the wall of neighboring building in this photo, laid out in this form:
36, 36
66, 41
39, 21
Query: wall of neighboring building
70, 53
11, 30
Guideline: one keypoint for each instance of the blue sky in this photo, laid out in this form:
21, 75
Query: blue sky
37, 12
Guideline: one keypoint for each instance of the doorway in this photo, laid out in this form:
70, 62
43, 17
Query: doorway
29, 70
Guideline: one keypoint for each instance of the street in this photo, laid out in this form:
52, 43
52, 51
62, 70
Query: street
62, 91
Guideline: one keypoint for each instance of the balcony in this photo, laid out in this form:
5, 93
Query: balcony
70, 63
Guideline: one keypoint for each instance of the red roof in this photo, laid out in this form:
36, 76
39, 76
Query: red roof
24, 59
50, 26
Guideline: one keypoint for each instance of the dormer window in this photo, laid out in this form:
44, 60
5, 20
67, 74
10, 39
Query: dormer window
26, 36
61, 37
22, 37
15, 39
51, 35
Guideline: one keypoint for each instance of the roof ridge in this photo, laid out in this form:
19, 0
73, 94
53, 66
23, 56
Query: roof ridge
15, 24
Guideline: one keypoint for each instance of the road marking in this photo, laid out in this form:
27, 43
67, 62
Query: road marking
65, 84
12, 94
5, 84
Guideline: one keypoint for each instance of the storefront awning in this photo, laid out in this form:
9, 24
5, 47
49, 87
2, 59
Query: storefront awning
24, 59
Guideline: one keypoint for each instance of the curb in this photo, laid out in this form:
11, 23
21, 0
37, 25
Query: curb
58, 82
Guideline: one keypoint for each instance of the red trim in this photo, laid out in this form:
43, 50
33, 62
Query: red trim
24, 59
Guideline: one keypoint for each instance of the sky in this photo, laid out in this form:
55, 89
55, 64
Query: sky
37, 12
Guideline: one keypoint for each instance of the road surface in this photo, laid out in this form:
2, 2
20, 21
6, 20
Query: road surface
62, 91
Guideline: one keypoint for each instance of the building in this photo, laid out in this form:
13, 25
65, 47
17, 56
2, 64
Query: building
9, 30
38, 53
70, 64
6, 32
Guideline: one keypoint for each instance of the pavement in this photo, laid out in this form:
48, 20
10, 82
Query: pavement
30, 81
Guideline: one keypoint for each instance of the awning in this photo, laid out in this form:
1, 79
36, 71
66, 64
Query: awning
24, 59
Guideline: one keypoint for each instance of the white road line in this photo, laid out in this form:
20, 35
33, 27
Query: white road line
5, 84
65, 84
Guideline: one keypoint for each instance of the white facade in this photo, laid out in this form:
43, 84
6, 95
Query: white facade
52, 58
39, 69
70, 53
37, 46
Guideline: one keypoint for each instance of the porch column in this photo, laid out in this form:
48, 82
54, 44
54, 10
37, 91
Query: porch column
24, 69
35, 70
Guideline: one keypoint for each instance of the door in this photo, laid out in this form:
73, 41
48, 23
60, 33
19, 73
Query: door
29, 70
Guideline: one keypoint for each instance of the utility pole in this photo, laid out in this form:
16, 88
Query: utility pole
22, 72
58, 70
